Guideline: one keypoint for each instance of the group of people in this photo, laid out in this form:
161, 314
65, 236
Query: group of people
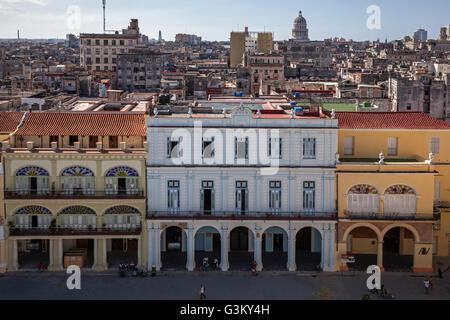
383, 292
131, 268
42, 267
206, 265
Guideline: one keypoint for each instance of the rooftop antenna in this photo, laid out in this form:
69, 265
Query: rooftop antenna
104, 16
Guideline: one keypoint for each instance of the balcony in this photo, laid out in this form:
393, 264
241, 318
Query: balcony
13, 231
237, 215
73, 194
389, 216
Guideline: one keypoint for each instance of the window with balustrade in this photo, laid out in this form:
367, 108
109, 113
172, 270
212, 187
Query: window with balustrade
32, 217
363, 199
399, 200
122, 181
77, 218
32, 180
122, 218
78, 181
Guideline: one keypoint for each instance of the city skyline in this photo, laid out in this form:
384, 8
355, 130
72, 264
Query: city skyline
325, 20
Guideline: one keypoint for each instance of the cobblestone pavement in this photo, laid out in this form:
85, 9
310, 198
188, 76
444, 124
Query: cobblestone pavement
220, 286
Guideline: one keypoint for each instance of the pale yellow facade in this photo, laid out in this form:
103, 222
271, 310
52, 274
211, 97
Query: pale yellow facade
99, 201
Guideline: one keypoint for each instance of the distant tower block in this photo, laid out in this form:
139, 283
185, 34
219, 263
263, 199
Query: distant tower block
160, 36
18, 35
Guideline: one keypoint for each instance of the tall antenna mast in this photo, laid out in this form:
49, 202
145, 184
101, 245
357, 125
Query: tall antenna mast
104, 16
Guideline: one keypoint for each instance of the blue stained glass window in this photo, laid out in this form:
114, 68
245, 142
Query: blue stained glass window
77, 210
122, 210
122, 172
32, 171
33, 210
78, 172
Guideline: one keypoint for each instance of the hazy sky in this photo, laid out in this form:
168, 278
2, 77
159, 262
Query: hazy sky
213, 20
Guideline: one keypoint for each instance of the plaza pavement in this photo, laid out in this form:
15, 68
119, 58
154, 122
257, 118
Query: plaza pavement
182, 285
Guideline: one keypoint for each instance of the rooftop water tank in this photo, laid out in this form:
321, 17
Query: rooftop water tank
298, 111
297, 94
293, 104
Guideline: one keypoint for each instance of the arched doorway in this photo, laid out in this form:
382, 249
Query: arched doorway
308, 247
398, 249
363, 243
274, 249
173, 248
207, 245
241, 248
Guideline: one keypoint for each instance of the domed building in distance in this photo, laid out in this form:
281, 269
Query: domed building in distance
300, 30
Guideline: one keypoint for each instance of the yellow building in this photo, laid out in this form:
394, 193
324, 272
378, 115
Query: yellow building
66, 199
2, 225
250, 43
392, 181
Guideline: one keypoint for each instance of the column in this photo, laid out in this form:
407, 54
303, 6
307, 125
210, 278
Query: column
329, 265
157, 248
224, 265
423, 257
2, 251
51, 254
324, 255
58, 255
139, 253
380, 255
150, 246
100, 255
291, 265
258, 248
190, 264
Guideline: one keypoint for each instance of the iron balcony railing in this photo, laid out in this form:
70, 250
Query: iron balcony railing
388, 216
72, 194
13, 231
268, 215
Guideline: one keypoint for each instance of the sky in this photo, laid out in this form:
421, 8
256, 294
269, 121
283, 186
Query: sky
214, 20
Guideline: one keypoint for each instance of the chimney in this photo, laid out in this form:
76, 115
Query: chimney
123, 145
76, 145
99, 146
54, 145
30, 145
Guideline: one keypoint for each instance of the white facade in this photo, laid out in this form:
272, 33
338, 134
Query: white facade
236, 191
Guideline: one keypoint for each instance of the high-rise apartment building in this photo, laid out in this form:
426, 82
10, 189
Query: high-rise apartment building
421, 35
250, 43
98, 51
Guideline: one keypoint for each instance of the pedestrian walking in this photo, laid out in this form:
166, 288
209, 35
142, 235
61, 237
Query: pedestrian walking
202, 292
426, 285
430, 280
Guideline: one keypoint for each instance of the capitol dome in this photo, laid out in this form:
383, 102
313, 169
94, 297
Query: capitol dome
300, 30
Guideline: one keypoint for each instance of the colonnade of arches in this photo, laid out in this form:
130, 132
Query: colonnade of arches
305, 247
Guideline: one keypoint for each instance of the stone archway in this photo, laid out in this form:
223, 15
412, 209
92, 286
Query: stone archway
275, 248
173, 248
241, 248
207, 244
308, 249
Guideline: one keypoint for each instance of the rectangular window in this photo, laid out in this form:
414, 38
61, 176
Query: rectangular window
105, 42
173, 194
435, 145
275, 148
174, 148
241, 148
392, 146
349, 146
275, 195
97, 42
208, 151
309, 195
241, 197
122, 42
309, 148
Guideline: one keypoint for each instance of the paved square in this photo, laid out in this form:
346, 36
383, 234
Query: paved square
219, 286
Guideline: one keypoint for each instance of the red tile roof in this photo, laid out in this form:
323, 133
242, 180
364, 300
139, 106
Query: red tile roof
389, 120
83, 124
9, 121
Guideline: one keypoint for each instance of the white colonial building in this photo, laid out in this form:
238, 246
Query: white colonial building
240, 187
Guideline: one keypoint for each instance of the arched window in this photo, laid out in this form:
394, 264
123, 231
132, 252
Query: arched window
399, 200
33, 217
32, 180
122, 218
363, 199
78, 217
78, 180
122, 180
